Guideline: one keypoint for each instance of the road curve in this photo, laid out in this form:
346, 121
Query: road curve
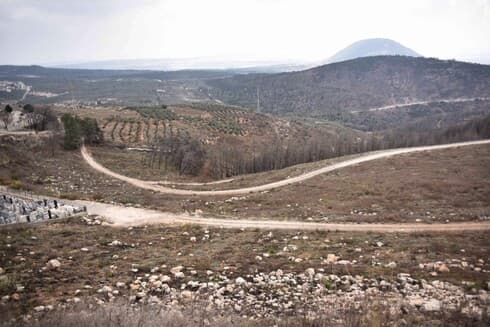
351, 162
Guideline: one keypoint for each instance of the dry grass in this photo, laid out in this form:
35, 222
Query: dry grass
370, 312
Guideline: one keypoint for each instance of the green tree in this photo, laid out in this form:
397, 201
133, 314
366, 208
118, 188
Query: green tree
73, 132
80, 130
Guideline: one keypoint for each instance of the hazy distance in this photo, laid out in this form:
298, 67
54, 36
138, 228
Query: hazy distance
235, 33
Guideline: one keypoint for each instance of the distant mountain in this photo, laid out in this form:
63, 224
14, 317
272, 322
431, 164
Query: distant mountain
372, 47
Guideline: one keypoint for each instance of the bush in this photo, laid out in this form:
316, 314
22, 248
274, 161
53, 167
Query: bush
16, 184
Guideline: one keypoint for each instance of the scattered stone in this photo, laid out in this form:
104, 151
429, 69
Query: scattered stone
331, 258
391, 265
39, 308
240, 281
432, 305
53, 264
115, 243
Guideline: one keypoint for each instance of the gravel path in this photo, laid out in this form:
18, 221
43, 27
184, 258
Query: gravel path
129, 216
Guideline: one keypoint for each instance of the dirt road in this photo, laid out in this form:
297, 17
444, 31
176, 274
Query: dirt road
364, 158
124, 216
121, 216
401, 105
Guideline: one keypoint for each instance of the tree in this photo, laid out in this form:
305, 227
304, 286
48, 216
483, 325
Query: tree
28, 108
78, 130
6, 116
73, 132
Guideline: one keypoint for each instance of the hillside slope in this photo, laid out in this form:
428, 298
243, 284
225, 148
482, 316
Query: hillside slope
331, 90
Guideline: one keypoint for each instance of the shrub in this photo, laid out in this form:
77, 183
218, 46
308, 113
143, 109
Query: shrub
16, 184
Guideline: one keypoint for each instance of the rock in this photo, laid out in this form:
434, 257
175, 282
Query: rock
176, 270
165, 279
186, 294
379, 244
120, 285
193, 239
432, 305
53, 264
15, 297
105, 289
2, 271
84, 249
240, 281
443, 268
180, 274
39, 308
331, 258
310, 272
391, 265
258, 258
115, 243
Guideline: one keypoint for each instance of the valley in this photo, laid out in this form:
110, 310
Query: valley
347, 192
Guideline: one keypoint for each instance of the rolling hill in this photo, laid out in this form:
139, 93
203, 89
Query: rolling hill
335, 90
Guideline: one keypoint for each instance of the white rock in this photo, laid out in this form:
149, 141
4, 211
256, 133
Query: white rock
176, 270
84, 249
432, 305
165, 279
240, 281
39, 308
53, 264
391, 265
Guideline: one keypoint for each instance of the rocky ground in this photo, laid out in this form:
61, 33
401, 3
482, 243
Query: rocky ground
251, 274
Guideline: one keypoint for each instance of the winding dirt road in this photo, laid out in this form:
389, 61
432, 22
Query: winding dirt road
351, 162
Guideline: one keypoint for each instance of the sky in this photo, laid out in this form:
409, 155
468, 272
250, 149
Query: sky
69, 31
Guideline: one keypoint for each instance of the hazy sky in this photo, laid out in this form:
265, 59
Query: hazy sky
44, 31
